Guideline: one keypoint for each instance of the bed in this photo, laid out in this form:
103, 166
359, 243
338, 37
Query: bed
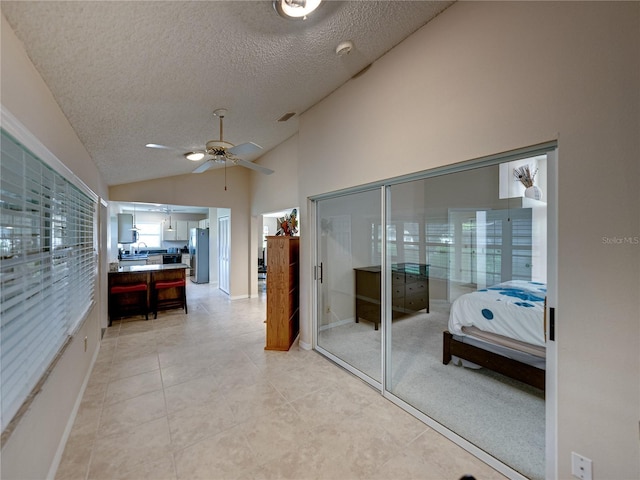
501, 328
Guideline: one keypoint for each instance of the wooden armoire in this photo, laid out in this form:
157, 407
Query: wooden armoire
283, 313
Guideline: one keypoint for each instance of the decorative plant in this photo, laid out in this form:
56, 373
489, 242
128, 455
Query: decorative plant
524, 175
288, 225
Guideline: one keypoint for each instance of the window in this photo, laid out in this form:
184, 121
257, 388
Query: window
48, 268
150, 234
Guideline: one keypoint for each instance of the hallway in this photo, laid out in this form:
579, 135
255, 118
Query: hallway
197, 397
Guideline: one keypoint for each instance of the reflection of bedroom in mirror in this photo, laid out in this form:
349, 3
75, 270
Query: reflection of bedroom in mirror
467, 254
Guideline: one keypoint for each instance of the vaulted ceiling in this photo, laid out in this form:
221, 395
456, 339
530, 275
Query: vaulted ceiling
130, 73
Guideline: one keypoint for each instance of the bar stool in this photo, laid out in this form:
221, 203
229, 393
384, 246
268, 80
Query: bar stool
127, 300
171, 302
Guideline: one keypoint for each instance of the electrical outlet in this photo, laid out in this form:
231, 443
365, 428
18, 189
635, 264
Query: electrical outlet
581, 467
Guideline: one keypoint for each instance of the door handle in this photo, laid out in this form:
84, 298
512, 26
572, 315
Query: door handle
320, 268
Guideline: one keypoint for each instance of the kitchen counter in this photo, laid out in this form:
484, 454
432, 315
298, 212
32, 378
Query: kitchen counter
148, 274
149, 268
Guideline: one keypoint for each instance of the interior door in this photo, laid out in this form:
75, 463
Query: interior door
224, 253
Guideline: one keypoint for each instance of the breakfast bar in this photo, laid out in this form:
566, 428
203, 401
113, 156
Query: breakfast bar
140, 289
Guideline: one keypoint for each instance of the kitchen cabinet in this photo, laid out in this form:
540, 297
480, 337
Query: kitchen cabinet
125, 228
131, 263
186, 259
182, 229
154, 260
204, 223
169, 234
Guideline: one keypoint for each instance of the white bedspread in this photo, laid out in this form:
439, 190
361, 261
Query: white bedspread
514, 309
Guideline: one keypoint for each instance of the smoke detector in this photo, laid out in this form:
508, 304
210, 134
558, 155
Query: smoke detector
344, 48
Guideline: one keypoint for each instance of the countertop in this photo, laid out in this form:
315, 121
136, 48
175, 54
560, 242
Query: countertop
150, 268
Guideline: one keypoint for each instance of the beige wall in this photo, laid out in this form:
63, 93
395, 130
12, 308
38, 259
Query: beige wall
484, 78
278, 191
36, 443
480, 79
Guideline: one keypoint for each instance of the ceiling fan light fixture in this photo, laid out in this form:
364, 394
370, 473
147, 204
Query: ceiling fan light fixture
194, 156
295, 9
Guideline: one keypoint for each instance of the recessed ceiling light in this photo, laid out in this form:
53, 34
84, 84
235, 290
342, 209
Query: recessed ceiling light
194, 156
295, 9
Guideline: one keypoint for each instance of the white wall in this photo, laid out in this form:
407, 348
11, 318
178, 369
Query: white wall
485, 78
35, 446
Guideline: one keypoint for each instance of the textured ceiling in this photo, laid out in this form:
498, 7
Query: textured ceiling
131, 73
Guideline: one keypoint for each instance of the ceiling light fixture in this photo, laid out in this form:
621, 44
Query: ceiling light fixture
194, 156
295, 9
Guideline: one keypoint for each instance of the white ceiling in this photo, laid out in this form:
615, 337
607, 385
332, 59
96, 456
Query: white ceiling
131, 73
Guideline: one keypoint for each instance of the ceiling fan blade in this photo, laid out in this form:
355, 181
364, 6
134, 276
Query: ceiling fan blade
245, 149
253, 166
204, 167
157, 146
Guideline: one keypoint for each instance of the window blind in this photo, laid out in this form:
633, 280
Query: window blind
48, 268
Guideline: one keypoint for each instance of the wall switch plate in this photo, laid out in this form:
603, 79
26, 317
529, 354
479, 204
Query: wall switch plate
581, 467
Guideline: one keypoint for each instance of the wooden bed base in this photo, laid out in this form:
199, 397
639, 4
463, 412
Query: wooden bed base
506, 366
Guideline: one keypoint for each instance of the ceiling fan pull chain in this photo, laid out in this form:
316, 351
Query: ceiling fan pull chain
225, 173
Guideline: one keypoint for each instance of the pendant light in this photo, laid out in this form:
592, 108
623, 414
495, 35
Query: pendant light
134, 228
170, 229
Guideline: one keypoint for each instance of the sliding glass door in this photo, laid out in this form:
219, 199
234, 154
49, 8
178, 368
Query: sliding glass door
400, 268
485, 242
348, 281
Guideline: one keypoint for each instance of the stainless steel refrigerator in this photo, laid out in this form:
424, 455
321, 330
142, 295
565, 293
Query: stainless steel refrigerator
199, 254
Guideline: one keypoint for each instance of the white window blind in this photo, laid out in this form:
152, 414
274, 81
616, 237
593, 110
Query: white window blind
48, 268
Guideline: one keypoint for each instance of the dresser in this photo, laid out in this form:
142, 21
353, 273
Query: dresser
409, 291
283, 313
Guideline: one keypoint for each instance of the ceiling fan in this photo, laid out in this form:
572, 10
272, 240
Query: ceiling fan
222, 152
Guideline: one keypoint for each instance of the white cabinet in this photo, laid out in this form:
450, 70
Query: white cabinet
169, 234
154, 260
126, 234
186, 259
204, 223
182, 230
132, 263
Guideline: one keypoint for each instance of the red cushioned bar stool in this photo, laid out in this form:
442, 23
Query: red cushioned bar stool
128, 300
167, 300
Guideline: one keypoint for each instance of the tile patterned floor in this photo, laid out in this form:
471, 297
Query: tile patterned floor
197, 397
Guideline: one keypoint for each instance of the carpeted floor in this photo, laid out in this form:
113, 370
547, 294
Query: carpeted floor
501, 416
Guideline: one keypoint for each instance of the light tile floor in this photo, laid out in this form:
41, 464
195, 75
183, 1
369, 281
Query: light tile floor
197, 397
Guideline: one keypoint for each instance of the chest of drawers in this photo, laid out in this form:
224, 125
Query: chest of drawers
409, 291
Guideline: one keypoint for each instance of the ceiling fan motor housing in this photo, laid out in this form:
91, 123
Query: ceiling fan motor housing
218, 149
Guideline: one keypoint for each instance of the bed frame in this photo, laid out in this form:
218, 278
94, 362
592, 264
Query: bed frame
506, 366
